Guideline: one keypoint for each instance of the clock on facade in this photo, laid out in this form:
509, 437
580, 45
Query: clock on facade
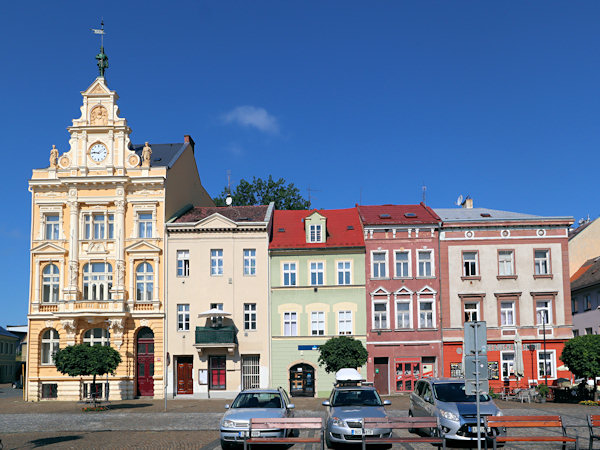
98, 152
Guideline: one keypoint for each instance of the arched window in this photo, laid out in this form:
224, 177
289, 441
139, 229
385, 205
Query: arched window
144, 282
97, 281
97, 336
50, 277
50, 346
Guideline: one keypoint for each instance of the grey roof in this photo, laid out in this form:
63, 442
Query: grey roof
485, 214
587, 275
162, 154
3, 332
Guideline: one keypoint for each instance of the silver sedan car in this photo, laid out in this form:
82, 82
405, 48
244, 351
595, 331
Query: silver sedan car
346, 408
265, 403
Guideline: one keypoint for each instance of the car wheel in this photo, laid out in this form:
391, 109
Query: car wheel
227, 445
328, 442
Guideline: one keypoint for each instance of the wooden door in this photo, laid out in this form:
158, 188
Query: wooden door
381, 375
185, 382
145, 362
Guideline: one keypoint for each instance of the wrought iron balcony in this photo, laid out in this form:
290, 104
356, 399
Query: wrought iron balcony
216, 337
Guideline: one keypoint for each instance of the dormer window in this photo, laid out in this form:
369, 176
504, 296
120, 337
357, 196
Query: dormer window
315, 233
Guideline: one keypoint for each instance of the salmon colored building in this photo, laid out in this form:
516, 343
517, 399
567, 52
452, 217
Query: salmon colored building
402, 295
510, 270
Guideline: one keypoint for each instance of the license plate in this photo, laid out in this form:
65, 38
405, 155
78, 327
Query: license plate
482, 430
245, 434
368, 432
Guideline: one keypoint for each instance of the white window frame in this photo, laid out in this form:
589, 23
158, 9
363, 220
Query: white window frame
507, 367
50, 283
404, 297
99, 284
377, 315
431, 312
470, 311
289, 272
431, 262
249, 262
408, 263
216, 262
50, 345
317, 268
98, 225
249, 316
183, 317
145, 224
183, 263
317, 323
92, 340
506, 266
144, 279
541, 264
315, 233
379, 264
552, 373
470, 260
216, 321
344, 269
52, 228
504, 311
290, 319
540, 309
345, 322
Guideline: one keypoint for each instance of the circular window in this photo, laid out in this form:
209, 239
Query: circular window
469, 234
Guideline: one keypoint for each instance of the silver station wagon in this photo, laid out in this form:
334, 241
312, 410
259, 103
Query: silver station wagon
263, 403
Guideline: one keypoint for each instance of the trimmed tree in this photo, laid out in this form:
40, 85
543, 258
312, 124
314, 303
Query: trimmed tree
582, 356
340, 352
83, 360
262, 192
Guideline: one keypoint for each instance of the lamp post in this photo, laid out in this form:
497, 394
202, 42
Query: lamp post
545, 354
531, 348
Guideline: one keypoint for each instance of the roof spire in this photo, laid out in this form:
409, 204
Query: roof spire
101, 57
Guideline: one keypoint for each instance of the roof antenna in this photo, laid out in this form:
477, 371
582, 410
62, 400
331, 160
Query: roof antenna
424, 187
309, 195
228, 199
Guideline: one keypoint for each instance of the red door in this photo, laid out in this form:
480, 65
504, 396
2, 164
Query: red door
216, 368
185, 383
381, 375
145, 362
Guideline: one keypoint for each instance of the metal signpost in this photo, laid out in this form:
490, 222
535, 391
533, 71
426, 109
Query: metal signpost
476, 367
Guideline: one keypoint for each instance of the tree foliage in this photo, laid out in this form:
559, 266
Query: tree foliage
340, 352
83, 360
582, 356
262, 192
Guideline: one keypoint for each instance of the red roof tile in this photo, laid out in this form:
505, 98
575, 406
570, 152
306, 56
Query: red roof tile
582, 270
397, 214
343, 229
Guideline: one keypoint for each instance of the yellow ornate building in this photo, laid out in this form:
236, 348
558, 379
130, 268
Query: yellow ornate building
97, 250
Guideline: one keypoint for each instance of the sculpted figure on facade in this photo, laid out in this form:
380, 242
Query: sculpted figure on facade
120, 273
99, 116
146, 155
116, 326
54, 157
69, 325
73, 273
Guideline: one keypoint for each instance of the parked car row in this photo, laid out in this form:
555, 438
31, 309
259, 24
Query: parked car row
349, 403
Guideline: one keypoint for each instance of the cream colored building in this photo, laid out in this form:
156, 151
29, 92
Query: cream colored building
217, 303
584, 244
97, 250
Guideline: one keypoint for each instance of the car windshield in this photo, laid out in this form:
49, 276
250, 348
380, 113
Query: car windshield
355, 397
455, 392
257, 400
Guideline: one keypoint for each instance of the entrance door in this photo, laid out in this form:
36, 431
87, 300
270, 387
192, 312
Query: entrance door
145, 362
302, 380
216, 368
185, 383
381, 375
407, 374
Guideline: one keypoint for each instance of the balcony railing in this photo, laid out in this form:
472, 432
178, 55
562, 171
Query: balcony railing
216, 337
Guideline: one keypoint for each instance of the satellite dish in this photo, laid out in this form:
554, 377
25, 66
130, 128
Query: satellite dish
228, 200
459, 200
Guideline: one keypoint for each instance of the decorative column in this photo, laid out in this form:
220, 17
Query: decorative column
72, 287
120, 246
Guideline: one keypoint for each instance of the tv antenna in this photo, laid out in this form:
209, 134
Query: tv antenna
228, 199
424, 188
309, 194
459, 200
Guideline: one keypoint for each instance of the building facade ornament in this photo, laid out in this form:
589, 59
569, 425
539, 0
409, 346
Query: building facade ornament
99, 116
53, 157
49, 324
116, 326
70, 326
146, 155
73, 273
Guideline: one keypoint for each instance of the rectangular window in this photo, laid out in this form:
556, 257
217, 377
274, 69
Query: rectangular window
317, 323
543, 312
471, 312
183, 317
587, 301
97, 226
111, 226
403, 314
575, 333
145, 225
379, 269
574, 305
380, 315
506, 263
250, 372
290, 324
508, 364
402, 261
289, 274
217, 321
315, 233
249, 316
546, 364
425, 263
343, 272
507, 314
589, 331
49, 390
250, 261
183, 263
426, 314
470, 264
52, 227
344, 322
316, 273
216, 262
542, 262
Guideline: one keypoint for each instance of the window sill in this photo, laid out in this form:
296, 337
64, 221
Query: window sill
403, 278
404, 329
379, 330
380, 278
476, 278
548, 276
431, 277
507, 277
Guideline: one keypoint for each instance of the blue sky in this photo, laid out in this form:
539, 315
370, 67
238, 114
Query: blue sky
358, 101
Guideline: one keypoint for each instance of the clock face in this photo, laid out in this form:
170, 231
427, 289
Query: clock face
98, 152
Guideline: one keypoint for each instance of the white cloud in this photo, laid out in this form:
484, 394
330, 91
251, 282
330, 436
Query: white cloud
251, 116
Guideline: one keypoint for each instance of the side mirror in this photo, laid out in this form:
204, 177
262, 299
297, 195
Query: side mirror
326, 403
291, 406
227, 406
387, 403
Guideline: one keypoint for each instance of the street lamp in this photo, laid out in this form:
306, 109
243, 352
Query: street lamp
531, 348
545, 354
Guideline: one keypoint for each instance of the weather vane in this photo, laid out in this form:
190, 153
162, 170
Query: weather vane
101, 57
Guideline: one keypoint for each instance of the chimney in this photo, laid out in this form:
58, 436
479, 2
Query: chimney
468, 203
188, 140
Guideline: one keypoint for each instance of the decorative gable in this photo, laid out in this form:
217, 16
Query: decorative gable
215, 222
143, 247
48, 249
315, 227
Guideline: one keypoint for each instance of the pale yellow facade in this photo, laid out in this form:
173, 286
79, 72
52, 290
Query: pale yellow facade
583, 246
97, 250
